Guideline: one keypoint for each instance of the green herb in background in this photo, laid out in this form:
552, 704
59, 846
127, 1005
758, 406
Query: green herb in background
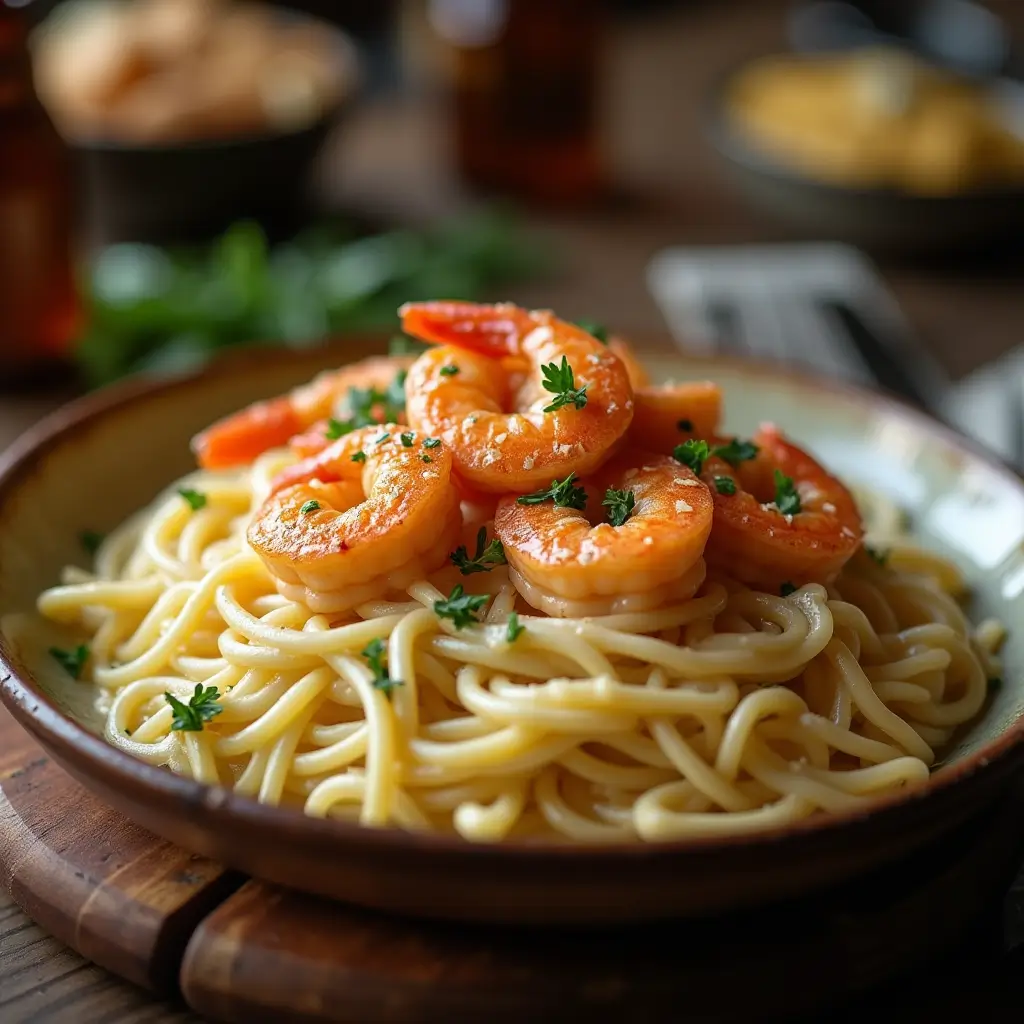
156, 309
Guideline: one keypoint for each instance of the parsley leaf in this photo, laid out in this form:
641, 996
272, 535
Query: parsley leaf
383, 437
560, 381
513, 629
71, 661
374, 653
338, 428
310, 506
692, 454
196, 499
391, 401
90, 541
685, 425
432, 442
725, 485
736, 451
201, 707
486, 558
448, 371
594, 329
786, 589
426, 458
881, 556
561, 492
359, 456
786, 498
620, 505
460, 607
406, 439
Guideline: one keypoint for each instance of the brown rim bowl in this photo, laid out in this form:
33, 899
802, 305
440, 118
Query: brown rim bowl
91, 463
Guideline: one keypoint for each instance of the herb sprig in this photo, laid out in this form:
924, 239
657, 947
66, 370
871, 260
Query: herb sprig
374, 653
202, 706
561, 382
620, 505
787, 500
486, 557
460, 607
561, 492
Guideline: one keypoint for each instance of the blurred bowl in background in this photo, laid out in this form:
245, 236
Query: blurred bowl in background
919, 170
187, 115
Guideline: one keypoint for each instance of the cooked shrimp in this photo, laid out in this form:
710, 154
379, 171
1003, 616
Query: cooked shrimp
505, 437
571, 562
623, 351
337, 531
666, 414
238, 439
764, 546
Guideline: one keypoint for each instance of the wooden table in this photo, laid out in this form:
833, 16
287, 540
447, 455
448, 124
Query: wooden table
391, 161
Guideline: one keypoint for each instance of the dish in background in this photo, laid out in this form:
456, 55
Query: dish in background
217, 108
874, 148
168, 71
918, 464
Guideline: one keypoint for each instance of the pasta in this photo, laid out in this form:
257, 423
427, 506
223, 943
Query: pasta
727, 713
668, 646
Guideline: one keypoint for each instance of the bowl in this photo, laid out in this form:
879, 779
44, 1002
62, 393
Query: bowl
881, 220
102, 457
187, 190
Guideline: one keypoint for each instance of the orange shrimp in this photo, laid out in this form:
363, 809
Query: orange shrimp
238, 439
572, 562
666, 414
759, 544
504, 438
369, 515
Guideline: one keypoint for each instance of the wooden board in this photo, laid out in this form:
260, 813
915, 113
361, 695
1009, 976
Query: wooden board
111, 891
151, 913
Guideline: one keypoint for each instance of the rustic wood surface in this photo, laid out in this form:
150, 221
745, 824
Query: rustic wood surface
390, 160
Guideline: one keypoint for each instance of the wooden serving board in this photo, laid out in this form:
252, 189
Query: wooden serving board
246, 951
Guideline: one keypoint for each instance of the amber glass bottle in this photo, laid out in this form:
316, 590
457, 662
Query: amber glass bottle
38, 305
524, 88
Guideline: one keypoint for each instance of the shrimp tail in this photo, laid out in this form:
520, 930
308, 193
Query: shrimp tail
492, 330
237, 440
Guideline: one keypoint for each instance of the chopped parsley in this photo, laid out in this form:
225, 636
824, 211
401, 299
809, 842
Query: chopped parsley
310, 506
406, 439
201, 707
692, 454
620, 505
374, 653
685, 425
72, 661
993, 684
560, 381
90, 541
383, 437
787, 501
359, 456
432, 442
594, 329
487, 555
736, 451
880, 556
460, 607
426, 458
513, 629
561, 492
338, 428
725, 485
363, 402
196, 499
448, 371
786, 589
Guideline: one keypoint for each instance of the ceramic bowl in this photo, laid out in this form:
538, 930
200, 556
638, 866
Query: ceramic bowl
95, 461
882, 220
